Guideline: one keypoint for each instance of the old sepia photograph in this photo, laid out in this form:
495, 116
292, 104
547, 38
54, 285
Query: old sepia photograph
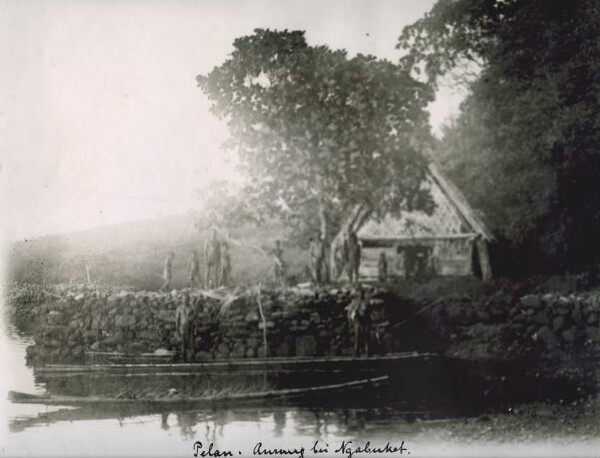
302, 228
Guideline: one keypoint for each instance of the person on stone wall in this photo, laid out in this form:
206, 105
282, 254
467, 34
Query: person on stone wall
279, 264
359, 315
212, 259
317, 258
353, 256
382, 267
225, 264
168, 272
183, 327
195, 270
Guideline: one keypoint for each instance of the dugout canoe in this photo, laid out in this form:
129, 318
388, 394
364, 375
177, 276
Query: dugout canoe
380, 365
26, 398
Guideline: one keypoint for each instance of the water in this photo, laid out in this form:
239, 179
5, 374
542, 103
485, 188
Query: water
39, 430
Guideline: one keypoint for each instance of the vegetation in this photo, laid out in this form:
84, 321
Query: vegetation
524, 148
319, 133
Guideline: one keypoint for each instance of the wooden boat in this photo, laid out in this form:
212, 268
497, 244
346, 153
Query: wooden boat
25, 398
350, 364
115, 357
397, 376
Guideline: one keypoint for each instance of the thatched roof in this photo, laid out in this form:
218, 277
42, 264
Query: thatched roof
453, 217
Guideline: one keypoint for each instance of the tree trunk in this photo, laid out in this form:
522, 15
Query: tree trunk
354, 221
324, 233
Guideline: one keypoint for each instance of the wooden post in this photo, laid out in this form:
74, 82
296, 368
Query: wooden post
87, 271
263, 320
484, 259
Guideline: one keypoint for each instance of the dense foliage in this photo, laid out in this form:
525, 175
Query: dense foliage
318, 132
525, 145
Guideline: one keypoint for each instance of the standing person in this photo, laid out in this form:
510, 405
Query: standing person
225, 264
359, 315
195, 270
279, 265
212, 258
353, 250
183, 327
317, 256
168, 272
382, 267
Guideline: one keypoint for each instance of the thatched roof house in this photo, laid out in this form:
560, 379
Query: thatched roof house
451, 241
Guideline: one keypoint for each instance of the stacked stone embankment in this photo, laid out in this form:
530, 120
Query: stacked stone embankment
70, 321
508, 326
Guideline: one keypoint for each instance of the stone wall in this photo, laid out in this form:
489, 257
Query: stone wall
66, 321
507, 326
72, 320
557, 320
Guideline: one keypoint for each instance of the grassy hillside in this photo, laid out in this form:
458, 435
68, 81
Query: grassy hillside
132, 254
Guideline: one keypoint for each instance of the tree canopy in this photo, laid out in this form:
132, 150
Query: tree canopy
524, 147
318, 132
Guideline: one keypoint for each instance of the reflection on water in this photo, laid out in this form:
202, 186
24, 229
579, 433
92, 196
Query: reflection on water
143, 430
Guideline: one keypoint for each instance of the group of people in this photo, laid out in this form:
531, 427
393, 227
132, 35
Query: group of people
350, 254
217, 265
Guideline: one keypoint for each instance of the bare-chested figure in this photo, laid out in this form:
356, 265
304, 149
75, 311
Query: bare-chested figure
359, 315
352, 250
382, 267
225, 264
183, 327
195, 270
317, 259
279, 264
168, 272
212, 258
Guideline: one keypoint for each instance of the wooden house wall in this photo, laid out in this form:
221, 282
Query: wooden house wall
448, 257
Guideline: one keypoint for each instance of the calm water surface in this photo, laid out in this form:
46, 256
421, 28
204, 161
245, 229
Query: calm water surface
38, 430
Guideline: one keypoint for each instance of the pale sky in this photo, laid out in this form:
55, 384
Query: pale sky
101, 120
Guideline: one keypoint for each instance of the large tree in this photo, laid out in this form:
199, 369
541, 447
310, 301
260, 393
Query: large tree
525, 145
319, 133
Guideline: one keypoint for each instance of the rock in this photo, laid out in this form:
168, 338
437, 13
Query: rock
166, 315
483, 316
531, 301
238, 351
539, 318
252, 342
568, 335
558, 323
270, 325
593, 333
325, 334
576, 315
517, 326
283, 350
203, 356
514, 311
547, 336
454, 312
306, 346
